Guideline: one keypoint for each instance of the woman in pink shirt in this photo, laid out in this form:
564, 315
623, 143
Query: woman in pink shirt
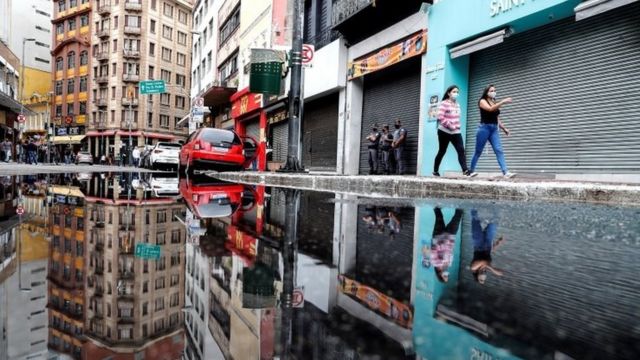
449, 130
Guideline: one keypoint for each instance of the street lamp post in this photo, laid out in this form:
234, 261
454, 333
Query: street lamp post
24, 42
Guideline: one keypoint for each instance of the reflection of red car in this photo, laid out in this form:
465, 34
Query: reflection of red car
209, 148
213, 199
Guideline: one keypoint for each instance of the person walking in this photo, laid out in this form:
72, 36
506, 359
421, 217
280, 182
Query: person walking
374, 144
483, 247
135, 154
489, 127
6, 147
398, 145
385, 147
449, 130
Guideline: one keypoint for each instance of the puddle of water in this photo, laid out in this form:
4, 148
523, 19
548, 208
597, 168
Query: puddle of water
158, 267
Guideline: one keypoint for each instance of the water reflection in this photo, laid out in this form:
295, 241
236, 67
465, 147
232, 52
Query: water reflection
249, 272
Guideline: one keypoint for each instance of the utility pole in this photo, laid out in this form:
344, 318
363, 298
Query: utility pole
294, 163
22, 78
130, 95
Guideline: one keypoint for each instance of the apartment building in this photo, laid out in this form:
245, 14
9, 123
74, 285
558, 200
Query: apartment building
133, 41
134, 304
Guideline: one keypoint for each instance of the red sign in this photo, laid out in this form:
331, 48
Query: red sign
68, 119
297, 300
20, 210
243, 245
67, 211
246, 104
22, 118
307, 55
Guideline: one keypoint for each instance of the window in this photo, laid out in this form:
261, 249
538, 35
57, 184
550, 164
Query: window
180, 80
59, 87
115, 22
167, 10
165, 99
59, 64
209, 57
229, 67
175, 259
166, 76
167, 32
152, 72
159, 304
71, 60
164, 121
62, 5
73, 3
229, 26
160, 283
152, 49
204, 34
79, 275
70, 113
84, 58
72, 24
132, 21
83, 111
166, 54
60, 29
160, 238
84, 20
145, 287
182, 38
150, 119
145, 308
174, 300
180, 101
182, 16
175, 279
58, 110
152, 26
83, 83
115, 45
71, 86
181, 59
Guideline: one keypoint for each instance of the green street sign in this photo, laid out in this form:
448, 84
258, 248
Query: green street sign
147, 251
152, 87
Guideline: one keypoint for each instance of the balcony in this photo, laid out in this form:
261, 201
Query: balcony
126, 320
131, 77
132, 30
102, 56
100, 124
126, 275
104, 9
131, 54
100, 102
102, 79
103, 33
133, 6
127, 102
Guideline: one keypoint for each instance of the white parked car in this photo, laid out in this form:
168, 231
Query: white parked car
164, 154
164, 186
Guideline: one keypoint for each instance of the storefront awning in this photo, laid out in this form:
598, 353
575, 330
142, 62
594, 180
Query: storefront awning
153, 135
218, 95
68, 139
101, 133
66, 191
128, 133
591, 8
480, 43
184, 120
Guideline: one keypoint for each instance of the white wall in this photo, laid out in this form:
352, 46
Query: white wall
19, 20
323, 77
198, 84
319, 282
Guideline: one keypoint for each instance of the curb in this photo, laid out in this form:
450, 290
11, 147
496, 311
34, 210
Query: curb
428, 187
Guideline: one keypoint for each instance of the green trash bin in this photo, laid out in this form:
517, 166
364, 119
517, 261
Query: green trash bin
266, 78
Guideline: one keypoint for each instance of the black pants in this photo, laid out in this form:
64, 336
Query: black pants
443, 141
451, 228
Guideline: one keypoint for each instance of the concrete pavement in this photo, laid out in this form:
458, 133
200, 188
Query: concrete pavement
461, 188
25, 169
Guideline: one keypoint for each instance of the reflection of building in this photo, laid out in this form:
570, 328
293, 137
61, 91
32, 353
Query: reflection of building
134, 305
66, 270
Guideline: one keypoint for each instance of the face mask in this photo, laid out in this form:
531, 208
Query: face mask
397, 126
492, 94
454, 95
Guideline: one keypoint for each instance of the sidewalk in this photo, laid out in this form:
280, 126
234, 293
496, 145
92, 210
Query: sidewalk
519, 188
26, 169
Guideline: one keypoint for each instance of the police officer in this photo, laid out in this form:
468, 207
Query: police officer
374, 144
385, 147
399, 141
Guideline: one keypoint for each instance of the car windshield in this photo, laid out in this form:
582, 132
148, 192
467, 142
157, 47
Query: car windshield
220, 136
216, 209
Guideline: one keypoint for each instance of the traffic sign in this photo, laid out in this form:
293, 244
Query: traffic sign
68, 119
297, 300
22, 118
198, 102
19, 210
147, 251
152, 87
67, 211
308, 51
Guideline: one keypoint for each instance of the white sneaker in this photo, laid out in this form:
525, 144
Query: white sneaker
473, 174
509, 175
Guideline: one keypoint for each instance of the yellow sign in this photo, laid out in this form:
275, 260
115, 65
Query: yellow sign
412, 46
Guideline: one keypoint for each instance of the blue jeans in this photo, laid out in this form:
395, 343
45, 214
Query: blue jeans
482, 239
491, 133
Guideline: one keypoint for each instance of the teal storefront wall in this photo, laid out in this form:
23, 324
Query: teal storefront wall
451, 22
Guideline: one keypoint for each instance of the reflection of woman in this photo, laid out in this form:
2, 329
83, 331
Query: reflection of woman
442, 244
483, 245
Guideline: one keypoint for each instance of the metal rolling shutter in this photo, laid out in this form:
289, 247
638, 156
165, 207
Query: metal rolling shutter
320, 133
390, 94
253, 129
279, 141
576, 91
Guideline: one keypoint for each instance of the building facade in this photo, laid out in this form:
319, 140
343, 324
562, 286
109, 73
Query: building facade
557, 53
133, 41
9, 105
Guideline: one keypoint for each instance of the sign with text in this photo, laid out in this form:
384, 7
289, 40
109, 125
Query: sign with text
147, 251
392, 54
245, 104
152, 87
307, 55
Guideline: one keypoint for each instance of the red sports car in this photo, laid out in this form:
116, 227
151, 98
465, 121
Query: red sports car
216, 149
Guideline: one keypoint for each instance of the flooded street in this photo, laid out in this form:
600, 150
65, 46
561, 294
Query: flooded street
149, 266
